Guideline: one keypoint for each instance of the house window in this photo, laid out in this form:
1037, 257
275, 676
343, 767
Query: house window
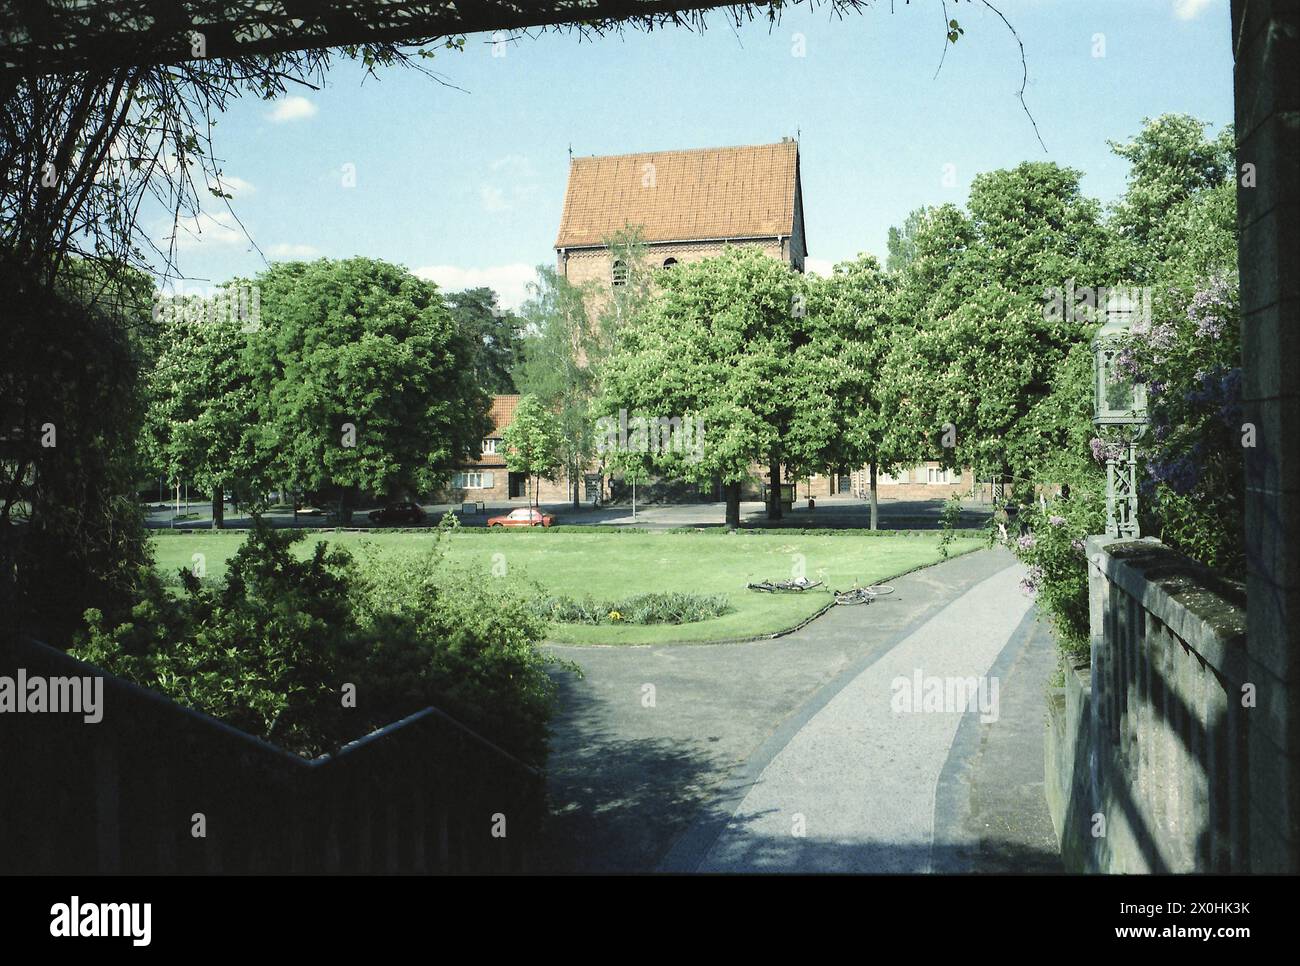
618, 275
669, 262
489, 447
472, 481
937, 474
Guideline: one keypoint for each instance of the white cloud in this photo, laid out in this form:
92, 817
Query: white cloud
494, 199
287, 250
514, 181
202, 229
514, 166
292, 108
510, 282
1190, 9
818, 266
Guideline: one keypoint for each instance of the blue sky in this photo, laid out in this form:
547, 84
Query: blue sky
465, 185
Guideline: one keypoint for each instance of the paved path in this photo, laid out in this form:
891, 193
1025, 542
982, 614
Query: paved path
794, 755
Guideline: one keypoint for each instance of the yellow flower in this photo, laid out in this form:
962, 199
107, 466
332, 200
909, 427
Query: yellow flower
615, 615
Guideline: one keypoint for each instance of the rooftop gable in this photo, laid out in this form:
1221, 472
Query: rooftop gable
705, 193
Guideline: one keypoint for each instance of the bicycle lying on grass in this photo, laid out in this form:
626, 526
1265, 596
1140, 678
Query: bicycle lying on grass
858, 595
798, 585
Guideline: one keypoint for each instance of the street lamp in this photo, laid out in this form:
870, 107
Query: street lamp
1120, 413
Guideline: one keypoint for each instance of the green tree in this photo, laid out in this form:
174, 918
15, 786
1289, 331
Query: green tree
717, 344
979, 347
1171, 161
572, 331
844, 421
202, 404
902, 241
533, 443
71, 533
555, 370
496, 334
364, 381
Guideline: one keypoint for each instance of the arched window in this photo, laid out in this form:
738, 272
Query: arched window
618, 276
669, 262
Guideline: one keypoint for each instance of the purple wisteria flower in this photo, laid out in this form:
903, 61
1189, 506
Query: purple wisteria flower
1030, 583
1102, 450
1126, 364
1181, 473
1211, 308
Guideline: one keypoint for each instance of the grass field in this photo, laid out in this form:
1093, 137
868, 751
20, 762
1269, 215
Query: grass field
609, 566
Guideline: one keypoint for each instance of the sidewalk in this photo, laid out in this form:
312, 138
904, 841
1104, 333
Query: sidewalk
746, 746
858, 787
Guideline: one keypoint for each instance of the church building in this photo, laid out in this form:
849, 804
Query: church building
686, 204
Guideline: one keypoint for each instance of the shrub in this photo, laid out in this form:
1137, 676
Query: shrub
672, 608
949, 517
1052, 545
1194, 468
668, 608
270, 648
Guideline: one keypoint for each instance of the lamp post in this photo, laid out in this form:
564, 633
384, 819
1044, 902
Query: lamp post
1120, 412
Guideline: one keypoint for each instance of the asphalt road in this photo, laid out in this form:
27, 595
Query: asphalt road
836, 512
789, 755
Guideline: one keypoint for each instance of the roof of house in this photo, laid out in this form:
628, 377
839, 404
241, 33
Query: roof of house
705, 193
502, 412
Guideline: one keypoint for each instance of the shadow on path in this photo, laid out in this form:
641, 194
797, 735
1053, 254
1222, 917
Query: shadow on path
630, 783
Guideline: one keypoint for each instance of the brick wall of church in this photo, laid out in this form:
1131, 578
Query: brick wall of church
595, 264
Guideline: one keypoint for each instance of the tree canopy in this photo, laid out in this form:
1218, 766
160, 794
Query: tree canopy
364, 381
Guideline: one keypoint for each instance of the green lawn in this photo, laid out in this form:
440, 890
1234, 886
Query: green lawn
609, 566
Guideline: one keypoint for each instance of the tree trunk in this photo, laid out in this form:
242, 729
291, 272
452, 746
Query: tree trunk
774, 488
874, 517
347, 500
732, 491
576, 501
218, 507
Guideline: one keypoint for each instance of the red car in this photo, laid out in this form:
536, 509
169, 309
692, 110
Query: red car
523, 517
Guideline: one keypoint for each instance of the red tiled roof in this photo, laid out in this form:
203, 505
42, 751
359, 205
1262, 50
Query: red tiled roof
706, 193
502, 412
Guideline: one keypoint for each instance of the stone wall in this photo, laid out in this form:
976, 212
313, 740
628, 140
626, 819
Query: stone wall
1266, 44
1145, 757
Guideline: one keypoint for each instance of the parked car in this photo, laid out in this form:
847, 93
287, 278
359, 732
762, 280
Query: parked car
523, 517
398, 513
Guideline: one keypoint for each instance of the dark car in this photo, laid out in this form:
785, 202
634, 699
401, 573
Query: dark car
398, 513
